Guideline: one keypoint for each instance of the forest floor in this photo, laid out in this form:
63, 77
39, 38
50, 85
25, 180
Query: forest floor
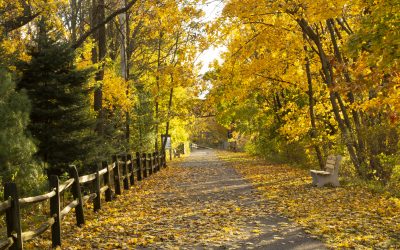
200, 202
225, 200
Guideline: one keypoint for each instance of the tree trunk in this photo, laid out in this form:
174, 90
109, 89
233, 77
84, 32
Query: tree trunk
123, 34
102, 50
171, 94
74, 16
158, 91
311, 110
356, 117
334, 97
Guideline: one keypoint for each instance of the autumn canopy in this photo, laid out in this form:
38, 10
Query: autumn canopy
292, 82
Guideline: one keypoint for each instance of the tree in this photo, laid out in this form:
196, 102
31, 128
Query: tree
346, 54
16, 147
61, 121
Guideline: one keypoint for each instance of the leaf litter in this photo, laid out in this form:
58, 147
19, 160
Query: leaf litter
190, 204
344, 217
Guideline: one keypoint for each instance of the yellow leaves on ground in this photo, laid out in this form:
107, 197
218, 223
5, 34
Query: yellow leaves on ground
162, 212
345, 217
200, 204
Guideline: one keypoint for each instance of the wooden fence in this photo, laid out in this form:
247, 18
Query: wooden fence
110, 175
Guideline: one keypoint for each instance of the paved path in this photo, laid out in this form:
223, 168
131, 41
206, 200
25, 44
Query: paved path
214, 185
198, 203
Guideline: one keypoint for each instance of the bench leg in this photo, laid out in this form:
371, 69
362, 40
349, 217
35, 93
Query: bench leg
335, 181
323, 180
314, 179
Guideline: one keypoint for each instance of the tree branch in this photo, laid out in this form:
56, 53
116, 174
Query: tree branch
19, 22
274, 79
83, 37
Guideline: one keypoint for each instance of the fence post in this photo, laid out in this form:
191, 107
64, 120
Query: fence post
144, 165
97, 199
76, 193
155, 162
149, 158
125, 172
55, 211
13, 217
130, 170
107, 178
117, 176
158, 161
139, 167
164, 159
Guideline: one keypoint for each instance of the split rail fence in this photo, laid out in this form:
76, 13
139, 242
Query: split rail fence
105, 181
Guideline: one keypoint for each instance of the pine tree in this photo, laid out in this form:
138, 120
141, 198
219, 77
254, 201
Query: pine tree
16, 148
61, 120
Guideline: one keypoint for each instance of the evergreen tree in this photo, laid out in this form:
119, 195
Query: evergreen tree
16, 148
61, 120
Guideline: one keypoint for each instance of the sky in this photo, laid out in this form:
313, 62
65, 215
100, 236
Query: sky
212, 9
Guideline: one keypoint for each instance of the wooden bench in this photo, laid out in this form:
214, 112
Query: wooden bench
331, 173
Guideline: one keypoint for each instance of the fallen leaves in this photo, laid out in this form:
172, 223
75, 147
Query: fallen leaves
202, 203
179, 207
345, 217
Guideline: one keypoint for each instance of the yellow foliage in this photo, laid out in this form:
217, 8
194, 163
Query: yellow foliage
116, 91
84, 60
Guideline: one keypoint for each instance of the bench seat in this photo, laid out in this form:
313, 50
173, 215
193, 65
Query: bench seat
321, 172
331, 173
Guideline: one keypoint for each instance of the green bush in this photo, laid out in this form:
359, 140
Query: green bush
276, 149
16, 147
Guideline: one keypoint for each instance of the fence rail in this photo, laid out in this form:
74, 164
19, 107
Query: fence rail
124, 168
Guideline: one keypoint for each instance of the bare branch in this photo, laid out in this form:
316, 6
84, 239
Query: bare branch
19, 22
98, 26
